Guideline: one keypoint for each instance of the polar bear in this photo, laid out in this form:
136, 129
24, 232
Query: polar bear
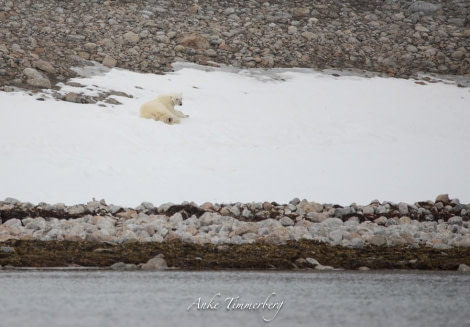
163, 108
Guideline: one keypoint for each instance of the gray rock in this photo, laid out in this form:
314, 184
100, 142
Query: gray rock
336, 236
464, 268
382, 220
456, 220
313, 207
235, 211
312, 262
378, 240
444, 198
44, 66
267, 206
278, 236
458, 55
11, 201
423, 6
93, 206
294, 201
7, 249
131, 37
368, 210
380, 210
340, 212
155, 264
332, 223
76, 210
194, 40
403, 208
356, 243
207, 218
246, 213
109, 61
36, 79
404, 220
286, 221
114, 209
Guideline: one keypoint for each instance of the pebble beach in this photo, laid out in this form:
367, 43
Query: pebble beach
428, 228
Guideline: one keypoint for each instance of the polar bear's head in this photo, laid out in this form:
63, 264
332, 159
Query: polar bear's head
177, 99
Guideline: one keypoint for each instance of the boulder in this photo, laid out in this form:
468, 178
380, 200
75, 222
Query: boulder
155, 264
194, 40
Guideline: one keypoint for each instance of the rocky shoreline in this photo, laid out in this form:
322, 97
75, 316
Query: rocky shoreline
437, 231
41, 41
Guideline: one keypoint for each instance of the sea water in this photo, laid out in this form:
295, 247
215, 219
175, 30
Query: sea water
47, 298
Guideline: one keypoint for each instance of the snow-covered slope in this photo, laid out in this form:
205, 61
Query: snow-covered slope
251, 136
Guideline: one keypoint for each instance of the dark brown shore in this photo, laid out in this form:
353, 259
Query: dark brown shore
260, 256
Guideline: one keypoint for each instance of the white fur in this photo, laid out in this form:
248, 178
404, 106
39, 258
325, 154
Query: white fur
163, 108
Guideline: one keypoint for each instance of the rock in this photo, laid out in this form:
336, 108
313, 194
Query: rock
464, 268
381, 220
363, 268
313, 207
336, 236
423, 6
36, 79
455, 220
278, 236
76, 210
131, 37
286, 221
444, 198
312, 262
123, 266
346, 211
368, 210
458, 55
7, 249
300, 12
44, 66
246, 228
109, 61
267, 206
404, 220
395, 240
155, 264
194, 40
356, 243
403, 208
235, 211
246, 213
292, 30
378, 240
332, 223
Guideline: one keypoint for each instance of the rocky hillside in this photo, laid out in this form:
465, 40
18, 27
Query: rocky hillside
41, 40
